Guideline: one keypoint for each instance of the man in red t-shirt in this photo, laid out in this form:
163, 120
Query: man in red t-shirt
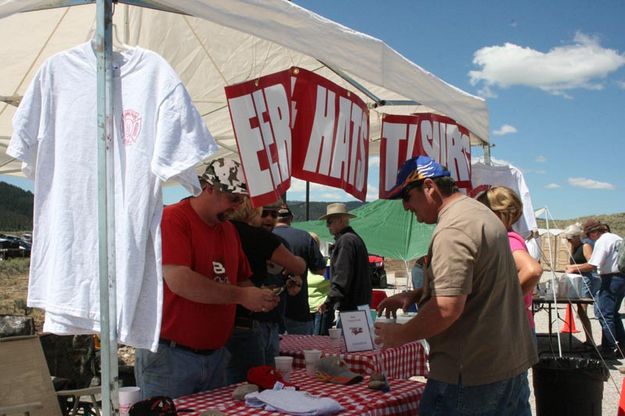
206, 275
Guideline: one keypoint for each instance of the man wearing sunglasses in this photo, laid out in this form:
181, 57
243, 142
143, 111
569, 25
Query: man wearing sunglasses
470, 307
350, 284
206, 275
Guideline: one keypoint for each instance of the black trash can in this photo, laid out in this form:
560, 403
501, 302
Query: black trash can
569, 386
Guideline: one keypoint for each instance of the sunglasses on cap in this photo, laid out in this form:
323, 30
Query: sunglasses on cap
266, 212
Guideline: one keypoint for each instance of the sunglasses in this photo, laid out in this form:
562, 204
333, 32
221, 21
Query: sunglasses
234, 198
405, 195
266, 212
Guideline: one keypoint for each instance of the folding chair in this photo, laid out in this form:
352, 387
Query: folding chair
26, 387
73, 363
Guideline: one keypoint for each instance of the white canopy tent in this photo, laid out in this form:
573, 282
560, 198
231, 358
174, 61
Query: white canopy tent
223, 42
227, 42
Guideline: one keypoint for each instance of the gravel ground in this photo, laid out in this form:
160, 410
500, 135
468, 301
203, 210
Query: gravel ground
612, 387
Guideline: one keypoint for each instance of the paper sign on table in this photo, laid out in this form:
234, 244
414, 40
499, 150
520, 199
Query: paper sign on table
356, 331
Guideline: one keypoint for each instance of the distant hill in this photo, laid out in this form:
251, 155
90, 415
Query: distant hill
16, 208
16, 212
615, 221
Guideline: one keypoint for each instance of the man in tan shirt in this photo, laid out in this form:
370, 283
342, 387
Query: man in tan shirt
470, 308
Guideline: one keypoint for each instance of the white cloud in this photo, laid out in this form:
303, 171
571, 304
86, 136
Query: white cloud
590, 184
541, 159
580, 64
505, 129
621, 84
552, 186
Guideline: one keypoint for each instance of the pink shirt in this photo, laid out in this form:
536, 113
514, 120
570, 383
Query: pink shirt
517, 243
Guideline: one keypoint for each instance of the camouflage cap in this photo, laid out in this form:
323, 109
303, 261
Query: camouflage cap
226, 175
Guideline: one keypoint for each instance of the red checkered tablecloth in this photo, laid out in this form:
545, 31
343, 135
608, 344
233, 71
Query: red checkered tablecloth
401, 362
358, 400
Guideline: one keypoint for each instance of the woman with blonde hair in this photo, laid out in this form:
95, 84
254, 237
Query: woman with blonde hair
580, 252
507, 205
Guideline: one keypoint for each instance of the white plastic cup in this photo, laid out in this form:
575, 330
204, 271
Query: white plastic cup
127, 397
311, 369
284, 364
335, 333
311, 358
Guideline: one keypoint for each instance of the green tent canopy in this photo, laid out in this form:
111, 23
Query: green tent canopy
388, 230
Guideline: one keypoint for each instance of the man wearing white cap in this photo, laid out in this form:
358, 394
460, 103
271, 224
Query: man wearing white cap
206, 275
470, 308
349, 263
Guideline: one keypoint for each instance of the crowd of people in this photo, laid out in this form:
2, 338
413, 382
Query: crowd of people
237, 276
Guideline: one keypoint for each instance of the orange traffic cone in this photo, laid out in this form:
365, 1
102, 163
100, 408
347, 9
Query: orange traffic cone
621, 402
569, 322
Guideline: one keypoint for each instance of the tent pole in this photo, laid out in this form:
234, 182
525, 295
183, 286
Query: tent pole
486, 148
106, 207
307, 200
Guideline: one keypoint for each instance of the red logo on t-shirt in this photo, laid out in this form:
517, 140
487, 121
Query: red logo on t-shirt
131, 124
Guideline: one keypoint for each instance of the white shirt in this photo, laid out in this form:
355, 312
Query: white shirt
158, 136
605, 253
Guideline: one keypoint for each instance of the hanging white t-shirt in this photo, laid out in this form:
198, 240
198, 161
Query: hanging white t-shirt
605, 253
158, 136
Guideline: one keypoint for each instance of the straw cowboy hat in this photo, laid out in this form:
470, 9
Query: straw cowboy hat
336, 209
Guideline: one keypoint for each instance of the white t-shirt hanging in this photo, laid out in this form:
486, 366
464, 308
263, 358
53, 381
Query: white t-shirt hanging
158, 135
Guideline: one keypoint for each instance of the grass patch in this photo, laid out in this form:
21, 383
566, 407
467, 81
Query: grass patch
13, 267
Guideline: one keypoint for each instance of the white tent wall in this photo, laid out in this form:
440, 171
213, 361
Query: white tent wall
228, 42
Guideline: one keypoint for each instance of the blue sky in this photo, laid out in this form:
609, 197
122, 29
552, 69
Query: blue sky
553, 74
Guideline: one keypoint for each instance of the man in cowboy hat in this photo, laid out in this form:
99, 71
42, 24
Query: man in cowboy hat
604, 260
471, 296
349, 263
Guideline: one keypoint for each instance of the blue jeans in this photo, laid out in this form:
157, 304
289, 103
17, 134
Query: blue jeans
610, 297
268, 336
245, 352
294, 327
174, 372
323, 322
503, 398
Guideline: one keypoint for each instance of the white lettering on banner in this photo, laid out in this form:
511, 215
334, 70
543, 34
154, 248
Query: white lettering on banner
321, 133
362, 160
336, 147
444, 143
340, 159
394, 133
264, 136
279, 105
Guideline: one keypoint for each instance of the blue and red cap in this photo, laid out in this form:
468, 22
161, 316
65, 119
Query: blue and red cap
414, 170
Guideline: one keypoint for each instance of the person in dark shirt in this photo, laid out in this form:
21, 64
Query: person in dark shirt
255, 339
349, 263
297, 317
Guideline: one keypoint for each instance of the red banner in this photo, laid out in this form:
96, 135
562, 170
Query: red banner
330, 132
260, 114
433, 135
